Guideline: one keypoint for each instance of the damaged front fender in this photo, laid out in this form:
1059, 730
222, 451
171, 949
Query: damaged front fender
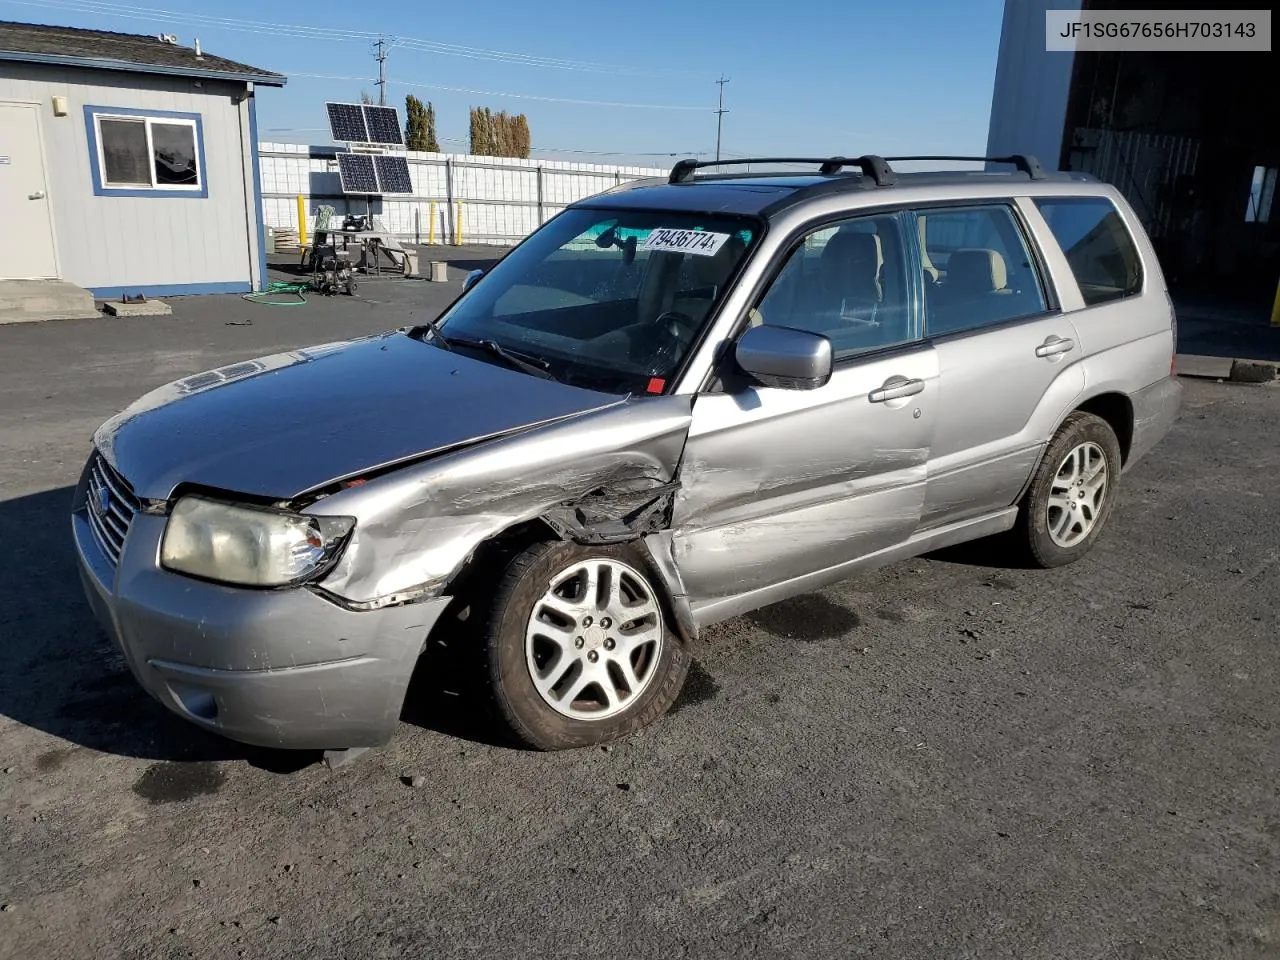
600, 477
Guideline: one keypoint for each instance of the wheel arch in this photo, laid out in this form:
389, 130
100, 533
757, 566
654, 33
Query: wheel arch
651, 534
1113, 407
1116, 409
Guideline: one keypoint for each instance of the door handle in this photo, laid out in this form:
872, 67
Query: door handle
38, 195
895, 388
1053, 346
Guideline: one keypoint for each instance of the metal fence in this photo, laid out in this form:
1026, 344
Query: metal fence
1146, 167
456, 198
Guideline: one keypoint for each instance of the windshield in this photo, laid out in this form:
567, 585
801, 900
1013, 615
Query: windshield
605, 299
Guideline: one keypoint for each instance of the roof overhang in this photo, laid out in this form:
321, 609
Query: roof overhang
130, 66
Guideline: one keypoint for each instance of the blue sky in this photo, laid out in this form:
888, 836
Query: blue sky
840, 76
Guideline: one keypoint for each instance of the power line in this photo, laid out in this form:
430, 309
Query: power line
108, 9
720, 112
505, 93
381, 57
574, 150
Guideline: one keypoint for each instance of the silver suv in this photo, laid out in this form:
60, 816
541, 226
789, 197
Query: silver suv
673, 403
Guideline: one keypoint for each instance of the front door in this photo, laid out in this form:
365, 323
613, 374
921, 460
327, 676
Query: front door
780, 484
26, 240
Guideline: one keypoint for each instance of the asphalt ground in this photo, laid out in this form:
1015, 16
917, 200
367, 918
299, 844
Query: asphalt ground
950, 758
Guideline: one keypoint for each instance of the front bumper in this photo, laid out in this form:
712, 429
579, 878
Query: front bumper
276, 668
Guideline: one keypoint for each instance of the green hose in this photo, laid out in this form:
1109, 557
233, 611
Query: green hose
276, 288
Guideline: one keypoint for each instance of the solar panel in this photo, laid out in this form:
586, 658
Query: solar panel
383, 124
346, 122
393, 174
357, 174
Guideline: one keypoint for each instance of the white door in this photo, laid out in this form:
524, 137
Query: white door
26, 238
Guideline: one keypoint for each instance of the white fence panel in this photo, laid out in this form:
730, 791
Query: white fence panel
457, 198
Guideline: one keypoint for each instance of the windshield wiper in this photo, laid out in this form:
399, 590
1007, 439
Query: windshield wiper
537, 368
436, 334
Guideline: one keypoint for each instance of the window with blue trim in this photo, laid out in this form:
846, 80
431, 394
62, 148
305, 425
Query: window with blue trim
141, 153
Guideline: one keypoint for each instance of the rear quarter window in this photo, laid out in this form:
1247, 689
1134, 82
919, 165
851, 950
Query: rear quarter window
1097, 245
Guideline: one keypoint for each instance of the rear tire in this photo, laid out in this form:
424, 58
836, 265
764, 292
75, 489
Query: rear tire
1072, 493
595, 620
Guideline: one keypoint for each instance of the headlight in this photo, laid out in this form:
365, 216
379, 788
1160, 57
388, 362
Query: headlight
253, 546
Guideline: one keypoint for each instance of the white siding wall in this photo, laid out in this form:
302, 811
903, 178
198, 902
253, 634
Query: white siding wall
1029, 102
483, 199
127, 241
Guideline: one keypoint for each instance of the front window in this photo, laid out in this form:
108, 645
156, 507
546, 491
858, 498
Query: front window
606, 299
144, 153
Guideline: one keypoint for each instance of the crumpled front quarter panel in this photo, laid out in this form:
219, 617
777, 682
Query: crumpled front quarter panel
419, 524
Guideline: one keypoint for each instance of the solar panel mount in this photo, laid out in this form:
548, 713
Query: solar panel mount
357, 173
346, 122
383, 124
364, 123
393, 174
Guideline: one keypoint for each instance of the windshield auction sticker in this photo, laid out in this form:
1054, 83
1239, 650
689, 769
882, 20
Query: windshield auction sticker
700, 242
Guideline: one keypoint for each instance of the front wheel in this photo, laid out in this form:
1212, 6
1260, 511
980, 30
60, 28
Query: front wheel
578, 647
1072, 493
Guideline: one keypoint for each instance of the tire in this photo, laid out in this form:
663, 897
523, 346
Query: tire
557, 643
1049, 534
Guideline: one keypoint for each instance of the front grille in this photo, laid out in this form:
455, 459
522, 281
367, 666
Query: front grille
111, 507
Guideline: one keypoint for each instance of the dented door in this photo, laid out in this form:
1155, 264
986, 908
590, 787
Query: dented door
777, 484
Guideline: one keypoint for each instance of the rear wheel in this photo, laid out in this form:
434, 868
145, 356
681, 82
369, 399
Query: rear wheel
1072, 493
578, 648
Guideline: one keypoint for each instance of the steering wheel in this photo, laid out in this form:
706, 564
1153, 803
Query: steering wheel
673, 331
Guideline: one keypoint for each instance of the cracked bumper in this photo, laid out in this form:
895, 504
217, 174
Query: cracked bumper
275, 668
1155, 408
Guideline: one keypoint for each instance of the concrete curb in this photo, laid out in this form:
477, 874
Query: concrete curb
1227, 368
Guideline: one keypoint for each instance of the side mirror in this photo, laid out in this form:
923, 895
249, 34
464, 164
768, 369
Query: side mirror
784, 358
472, 277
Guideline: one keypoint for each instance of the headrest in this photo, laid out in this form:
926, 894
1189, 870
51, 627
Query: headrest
976, 270
712, 271
854, 250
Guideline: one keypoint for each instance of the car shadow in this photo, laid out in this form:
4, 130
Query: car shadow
447, 694
61, 674
996, 552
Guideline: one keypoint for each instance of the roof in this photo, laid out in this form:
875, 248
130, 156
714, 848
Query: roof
103, 50
762, 194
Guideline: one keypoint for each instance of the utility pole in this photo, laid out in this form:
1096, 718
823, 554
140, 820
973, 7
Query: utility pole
720, 112
382, 71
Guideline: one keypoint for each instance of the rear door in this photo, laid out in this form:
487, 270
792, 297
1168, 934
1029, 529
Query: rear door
1125, 322
1008, 357
784, 484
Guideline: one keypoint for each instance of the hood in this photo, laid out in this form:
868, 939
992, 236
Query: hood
286, 424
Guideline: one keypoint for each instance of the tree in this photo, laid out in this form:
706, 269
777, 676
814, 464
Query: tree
481, 141
500, 134
365, 98
523, 138
420, 125
433, 145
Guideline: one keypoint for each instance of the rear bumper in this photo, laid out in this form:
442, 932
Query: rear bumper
276, 668
1155, 408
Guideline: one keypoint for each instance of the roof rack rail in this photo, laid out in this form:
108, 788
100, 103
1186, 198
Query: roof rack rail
1024, 162
871, 166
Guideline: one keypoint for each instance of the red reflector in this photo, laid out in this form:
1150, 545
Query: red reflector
655, 385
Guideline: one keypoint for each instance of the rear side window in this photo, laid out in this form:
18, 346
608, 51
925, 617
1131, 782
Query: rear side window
1097, 246
977, 269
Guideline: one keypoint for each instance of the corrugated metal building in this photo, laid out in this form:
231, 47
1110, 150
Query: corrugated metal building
128, 164
1192, 139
